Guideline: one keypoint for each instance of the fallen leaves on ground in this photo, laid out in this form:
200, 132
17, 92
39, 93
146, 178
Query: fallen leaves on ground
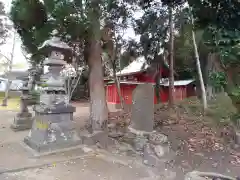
197, 133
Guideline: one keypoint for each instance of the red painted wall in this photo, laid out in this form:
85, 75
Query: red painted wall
180, 93
126, 92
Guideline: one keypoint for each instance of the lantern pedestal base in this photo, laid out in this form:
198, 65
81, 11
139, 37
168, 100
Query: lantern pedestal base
51, 147
53, 129
22, 121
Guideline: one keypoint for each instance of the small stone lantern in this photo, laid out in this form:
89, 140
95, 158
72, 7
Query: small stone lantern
53, 126
23, 119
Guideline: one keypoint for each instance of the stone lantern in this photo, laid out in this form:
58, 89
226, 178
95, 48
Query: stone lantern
53, 126
23, 119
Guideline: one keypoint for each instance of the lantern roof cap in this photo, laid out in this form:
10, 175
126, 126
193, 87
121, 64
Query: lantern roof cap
55, 42
54, 62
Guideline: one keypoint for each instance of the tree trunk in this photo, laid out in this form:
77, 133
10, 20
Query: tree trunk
6, 94
209, 69
4, 102
171, 69
204, 97
98, 104
117, 84
113, 58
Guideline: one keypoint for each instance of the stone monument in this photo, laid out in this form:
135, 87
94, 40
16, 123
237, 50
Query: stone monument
53, 126
152, 145
23, 119
142, 117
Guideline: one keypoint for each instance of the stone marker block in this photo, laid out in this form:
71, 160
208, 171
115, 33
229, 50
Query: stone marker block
142, 118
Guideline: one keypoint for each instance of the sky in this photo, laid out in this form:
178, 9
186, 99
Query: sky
18, 56
7, 47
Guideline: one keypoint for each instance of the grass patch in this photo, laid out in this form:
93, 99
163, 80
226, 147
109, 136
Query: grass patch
219, 110
12, 105
2, 94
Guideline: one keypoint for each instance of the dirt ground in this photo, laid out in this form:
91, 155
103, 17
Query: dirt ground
201, 142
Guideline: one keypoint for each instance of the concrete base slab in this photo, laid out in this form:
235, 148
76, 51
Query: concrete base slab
36, 154
18, 164
16, 157
51, 147
91, 168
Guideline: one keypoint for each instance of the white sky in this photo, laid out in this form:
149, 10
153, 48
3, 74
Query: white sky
7, 48
18, 56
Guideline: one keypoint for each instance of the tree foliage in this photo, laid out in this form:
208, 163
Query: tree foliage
35, 20
4, 27
216, 26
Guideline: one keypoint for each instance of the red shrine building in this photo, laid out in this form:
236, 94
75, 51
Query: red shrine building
137, 73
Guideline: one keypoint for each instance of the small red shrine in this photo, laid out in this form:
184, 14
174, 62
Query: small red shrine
137, 73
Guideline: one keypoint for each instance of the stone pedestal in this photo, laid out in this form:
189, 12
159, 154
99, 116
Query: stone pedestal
53, 129
23, 120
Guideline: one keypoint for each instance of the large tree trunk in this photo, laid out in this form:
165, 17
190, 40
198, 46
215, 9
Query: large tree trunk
203, 91
98, 104
171, 69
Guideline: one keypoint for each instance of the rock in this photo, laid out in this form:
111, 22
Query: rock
159, 151
139, 142
97, 137
157, 138
193, 176
150, 158
196, 175
115, 134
